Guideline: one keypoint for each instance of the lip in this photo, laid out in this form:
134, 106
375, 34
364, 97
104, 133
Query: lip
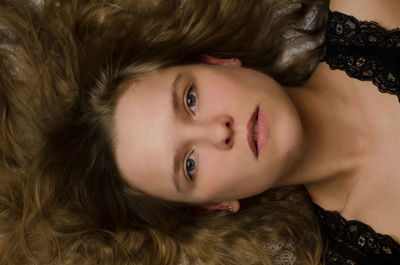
262, 131
250, 132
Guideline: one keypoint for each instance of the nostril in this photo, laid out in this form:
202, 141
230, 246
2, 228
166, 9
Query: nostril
228, 124
227, 140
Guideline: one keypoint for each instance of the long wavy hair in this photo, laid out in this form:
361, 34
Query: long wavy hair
63, 200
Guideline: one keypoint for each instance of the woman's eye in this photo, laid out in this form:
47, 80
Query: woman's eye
191, 99
190, 167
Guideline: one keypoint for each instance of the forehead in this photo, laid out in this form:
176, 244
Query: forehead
143, 130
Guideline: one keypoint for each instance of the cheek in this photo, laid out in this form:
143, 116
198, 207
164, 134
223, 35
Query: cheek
221, 178
223, 97
215, 173
228, 177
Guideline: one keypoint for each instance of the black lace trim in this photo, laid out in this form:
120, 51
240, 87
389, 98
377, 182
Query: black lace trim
364, 50
353, 242
368, 52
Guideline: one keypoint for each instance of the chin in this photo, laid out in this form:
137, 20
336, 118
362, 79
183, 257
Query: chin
287, 143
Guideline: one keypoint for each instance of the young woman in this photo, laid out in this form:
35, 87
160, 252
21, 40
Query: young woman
212, 135
158, 142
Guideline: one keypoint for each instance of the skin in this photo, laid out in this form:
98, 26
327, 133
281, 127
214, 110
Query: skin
148, 133
333, 153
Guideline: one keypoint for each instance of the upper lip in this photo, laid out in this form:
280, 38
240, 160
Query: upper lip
250, 132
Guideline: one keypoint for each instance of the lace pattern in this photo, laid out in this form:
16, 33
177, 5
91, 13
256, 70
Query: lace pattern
368, 52
364, 50
355, 243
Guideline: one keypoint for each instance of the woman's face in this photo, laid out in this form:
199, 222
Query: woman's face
183, 133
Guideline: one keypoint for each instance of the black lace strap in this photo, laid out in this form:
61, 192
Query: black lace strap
364, 50
353, 242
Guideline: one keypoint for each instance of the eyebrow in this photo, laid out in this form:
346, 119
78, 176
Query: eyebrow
175, 176
177, 161
175, 96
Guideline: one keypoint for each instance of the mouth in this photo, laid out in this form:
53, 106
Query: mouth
252, 132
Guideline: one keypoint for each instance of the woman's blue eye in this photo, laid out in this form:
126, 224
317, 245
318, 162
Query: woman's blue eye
191, 99
190, 166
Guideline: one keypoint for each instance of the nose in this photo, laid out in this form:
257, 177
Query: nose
218, 132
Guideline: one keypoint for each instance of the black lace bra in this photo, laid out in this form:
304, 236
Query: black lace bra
364, 50
368, 52
355, 243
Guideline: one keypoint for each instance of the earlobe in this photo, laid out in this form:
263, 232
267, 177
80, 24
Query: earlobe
235, 206
232, 206
218, 61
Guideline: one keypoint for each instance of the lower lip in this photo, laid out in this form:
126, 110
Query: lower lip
250, 132
262, 131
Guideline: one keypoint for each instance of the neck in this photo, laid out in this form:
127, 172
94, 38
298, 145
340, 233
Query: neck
335, 142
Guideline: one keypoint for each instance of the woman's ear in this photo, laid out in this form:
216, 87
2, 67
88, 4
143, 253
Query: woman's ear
232, 206
218, 61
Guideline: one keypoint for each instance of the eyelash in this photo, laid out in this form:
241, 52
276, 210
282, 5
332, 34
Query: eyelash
191, 89
188, 174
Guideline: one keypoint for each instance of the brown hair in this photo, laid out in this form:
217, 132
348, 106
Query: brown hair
76, 208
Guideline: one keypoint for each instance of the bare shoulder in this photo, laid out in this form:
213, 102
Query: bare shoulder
384, 12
